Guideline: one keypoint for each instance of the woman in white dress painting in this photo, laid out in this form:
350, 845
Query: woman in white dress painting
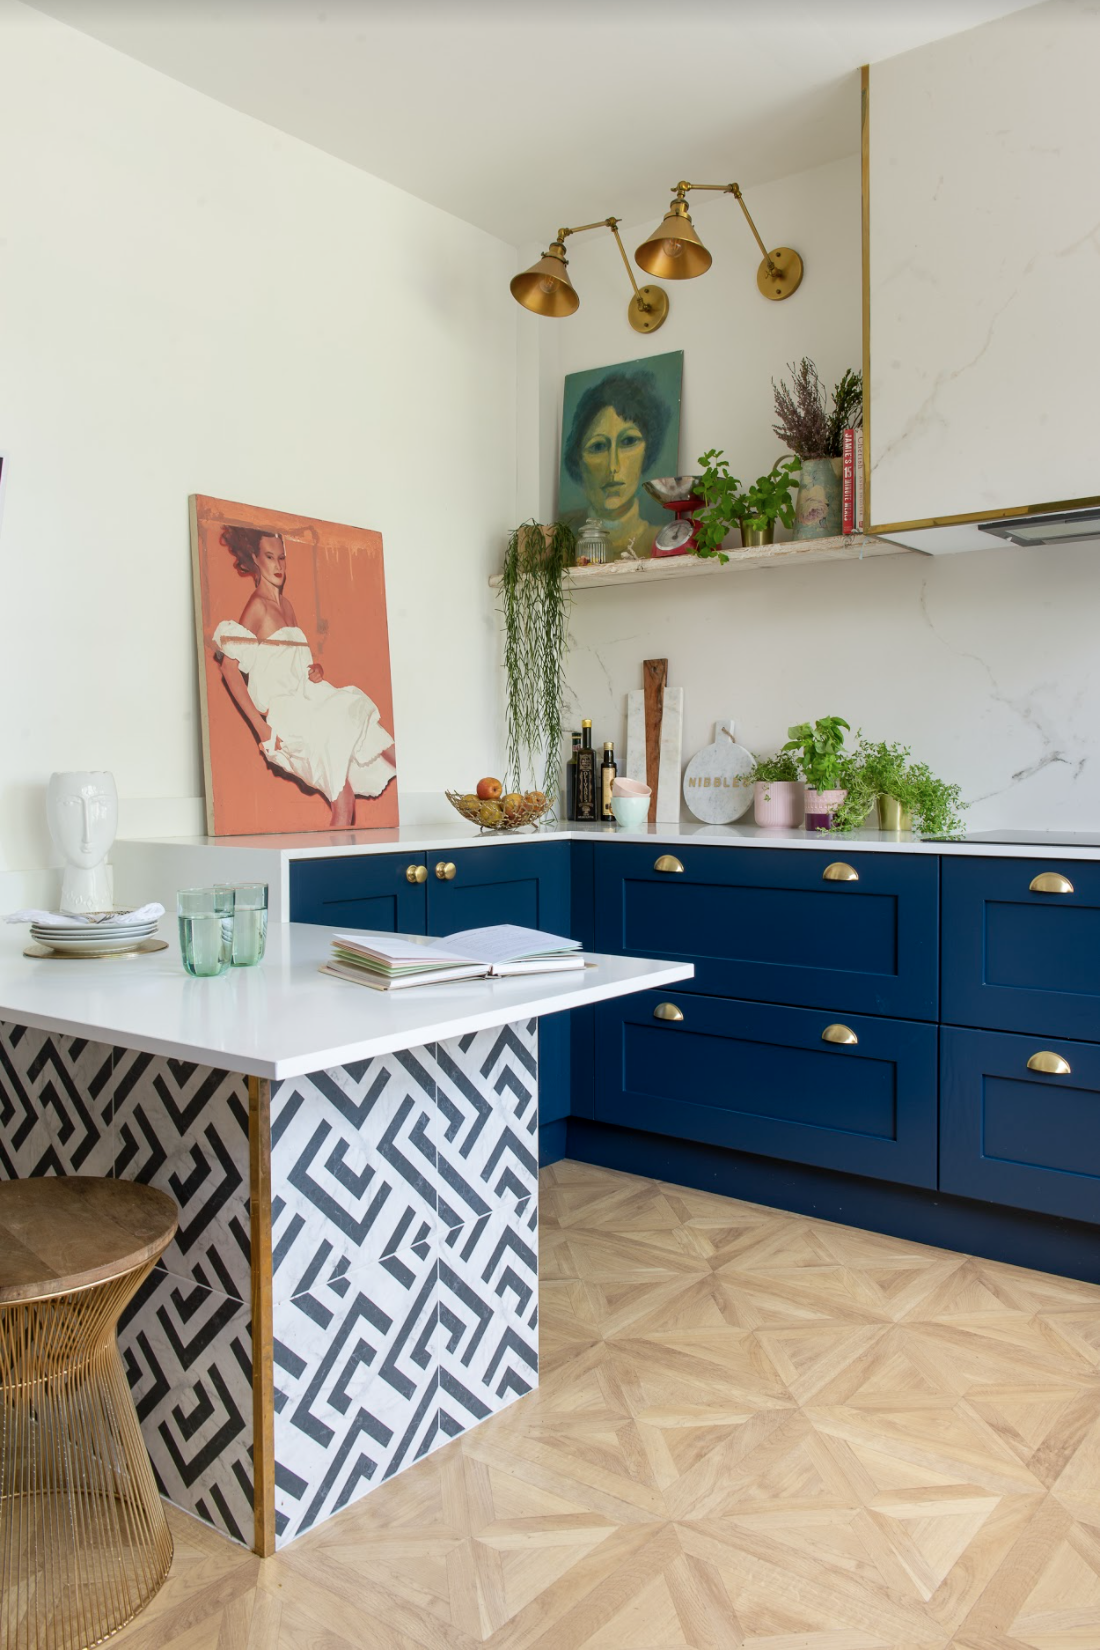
330, 739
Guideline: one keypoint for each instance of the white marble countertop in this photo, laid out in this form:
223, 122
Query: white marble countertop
442, 838
283, 1018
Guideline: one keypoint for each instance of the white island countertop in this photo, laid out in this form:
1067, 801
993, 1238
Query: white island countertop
284, 1018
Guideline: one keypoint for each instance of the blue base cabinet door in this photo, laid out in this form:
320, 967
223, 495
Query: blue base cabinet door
1022, 1135
820, 929
360, 891
1021, 945
857, 1095
477, 887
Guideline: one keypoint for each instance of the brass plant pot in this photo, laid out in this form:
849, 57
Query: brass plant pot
892, 816
756, 533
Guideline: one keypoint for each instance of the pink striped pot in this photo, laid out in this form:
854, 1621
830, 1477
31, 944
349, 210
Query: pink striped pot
778, 802
820, 808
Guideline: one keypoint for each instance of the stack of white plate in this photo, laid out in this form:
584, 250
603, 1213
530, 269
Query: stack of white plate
79, 939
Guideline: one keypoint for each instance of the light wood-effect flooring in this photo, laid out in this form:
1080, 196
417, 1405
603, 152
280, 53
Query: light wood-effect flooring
754, 1430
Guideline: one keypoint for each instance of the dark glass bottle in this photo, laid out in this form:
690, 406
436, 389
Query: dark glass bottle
608, 770
571, 778
586, 775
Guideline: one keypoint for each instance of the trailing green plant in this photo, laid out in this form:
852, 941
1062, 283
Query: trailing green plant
768, 499
877, 769
804, 422
721, 491
780, 769
819, 745
535, 602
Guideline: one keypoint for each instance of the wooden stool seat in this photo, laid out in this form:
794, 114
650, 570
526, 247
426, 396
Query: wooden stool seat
60, 1235
84, 1543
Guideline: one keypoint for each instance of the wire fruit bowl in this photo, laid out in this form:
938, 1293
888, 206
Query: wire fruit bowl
494, 816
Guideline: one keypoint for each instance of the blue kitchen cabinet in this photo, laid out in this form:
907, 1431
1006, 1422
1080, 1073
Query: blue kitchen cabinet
759, 1078
1021, 945
1018, 1136
465, 888
772, 924
360, 891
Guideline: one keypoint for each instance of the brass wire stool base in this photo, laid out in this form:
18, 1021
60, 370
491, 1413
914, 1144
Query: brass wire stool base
84, 1543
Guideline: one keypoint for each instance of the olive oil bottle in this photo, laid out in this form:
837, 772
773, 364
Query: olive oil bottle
586, 775
571, 778
608, 770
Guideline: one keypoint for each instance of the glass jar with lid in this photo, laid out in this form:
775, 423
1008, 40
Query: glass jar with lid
593, 543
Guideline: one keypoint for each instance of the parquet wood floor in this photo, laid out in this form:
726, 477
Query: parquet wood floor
754, 1430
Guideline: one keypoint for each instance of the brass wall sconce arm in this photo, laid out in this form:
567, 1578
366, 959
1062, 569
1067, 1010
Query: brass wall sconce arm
546, 289
675, 252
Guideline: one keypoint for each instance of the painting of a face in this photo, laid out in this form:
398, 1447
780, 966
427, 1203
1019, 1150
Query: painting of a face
620, 427
612, 461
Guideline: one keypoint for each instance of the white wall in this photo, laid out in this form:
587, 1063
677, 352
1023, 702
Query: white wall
984, 152
194, 302
986, 663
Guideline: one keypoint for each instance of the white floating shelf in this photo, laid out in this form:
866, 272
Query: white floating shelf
793, 553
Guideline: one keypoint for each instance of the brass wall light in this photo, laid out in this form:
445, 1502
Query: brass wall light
675, 252
546, 288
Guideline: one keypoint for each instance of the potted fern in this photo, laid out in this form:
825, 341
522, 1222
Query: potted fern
813, 431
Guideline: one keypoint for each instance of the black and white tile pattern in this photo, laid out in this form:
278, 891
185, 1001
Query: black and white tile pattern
68, 1106
405, 1272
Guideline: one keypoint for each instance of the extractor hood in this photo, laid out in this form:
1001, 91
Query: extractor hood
1036, 526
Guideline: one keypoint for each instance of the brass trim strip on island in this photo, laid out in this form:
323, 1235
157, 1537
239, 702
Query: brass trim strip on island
263, 1353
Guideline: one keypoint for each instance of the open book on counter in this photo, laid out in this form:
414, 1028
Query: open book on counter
391, 963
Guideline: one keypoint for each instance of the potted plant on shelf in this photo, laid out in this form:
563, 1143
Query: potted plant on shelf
822, 765
907, 794
806, 425
777, 790
755, 510
535, 602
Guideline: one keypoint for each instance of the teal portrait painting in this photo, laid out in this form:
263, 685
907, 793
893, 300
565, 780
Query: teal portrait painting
620, 427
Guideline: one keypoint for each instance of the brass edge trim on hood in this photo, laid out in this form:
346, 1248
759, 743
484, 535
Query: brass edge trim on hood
865, 234
984, 515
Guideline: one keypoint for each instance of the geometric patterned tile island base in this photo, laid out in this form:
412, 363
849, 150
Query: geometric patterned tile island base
403, 1231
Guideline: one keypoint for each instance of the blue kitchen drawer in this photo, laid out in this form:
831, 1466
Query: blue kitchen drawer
1015, 959
758, 1078
359, 891
1027, 1139
765, 923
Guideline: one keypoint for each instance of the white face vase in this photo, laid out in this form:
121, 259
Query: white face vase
82, 809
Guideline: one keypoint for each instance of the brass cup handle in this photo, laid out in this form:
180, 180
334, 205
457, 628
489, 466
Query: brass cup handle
1050, 882
416, 873
1047, 1061
445, 870
668, 1011
839, 1034
839, 872
667, 862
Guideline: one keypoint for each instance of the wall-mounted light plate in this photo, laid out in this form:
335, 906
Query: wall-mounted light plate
786, 278
648, 308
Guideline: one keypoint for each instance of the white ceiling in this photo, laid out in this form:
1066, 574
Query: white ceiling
519, 116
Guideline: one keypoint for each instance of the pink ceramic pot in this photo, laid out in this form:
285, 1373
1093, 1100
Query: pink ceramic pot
820, 808
778, 802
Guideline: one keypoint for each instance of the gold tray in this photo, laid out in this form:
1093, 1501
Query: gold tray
48, 954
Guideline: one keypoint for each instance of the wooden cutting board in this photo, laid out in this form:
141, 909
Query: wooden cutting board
654, 677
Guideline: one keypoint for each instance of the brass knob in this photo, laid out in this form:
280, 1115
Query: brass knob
839, 872
667, 862
839, 1034
1046, 1060
667, 1011
445, 870
1050, 882
416, 873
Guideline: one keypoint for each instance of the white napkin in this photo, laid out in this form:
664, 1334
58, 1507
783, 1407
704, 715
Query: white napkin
74, 919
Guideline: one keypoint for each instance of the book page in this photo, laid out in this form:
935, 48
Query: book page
398, 952
505, 942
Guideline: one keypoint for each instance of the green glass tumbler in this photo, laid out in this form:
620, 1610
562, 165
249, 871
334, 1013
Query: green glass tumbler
249, 922
206, 930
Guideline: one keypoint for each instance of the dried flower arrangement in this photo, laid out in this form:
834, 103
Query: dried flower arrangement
805, 425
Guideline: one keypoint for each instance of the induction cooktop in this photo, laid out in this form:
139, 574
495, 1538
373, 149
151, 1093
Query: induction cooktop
1025, 839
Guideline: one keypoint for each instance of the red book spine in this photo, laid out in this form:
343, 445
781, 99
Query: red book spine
859, 480
848, 482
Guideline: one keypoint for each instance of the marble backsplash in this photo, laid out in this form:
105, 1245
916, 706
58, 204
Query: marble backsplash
987, 664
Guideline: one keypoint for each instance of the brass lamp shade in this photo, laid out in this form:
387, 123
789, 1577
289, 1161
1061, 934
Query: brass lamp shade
546, 287
674, 251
